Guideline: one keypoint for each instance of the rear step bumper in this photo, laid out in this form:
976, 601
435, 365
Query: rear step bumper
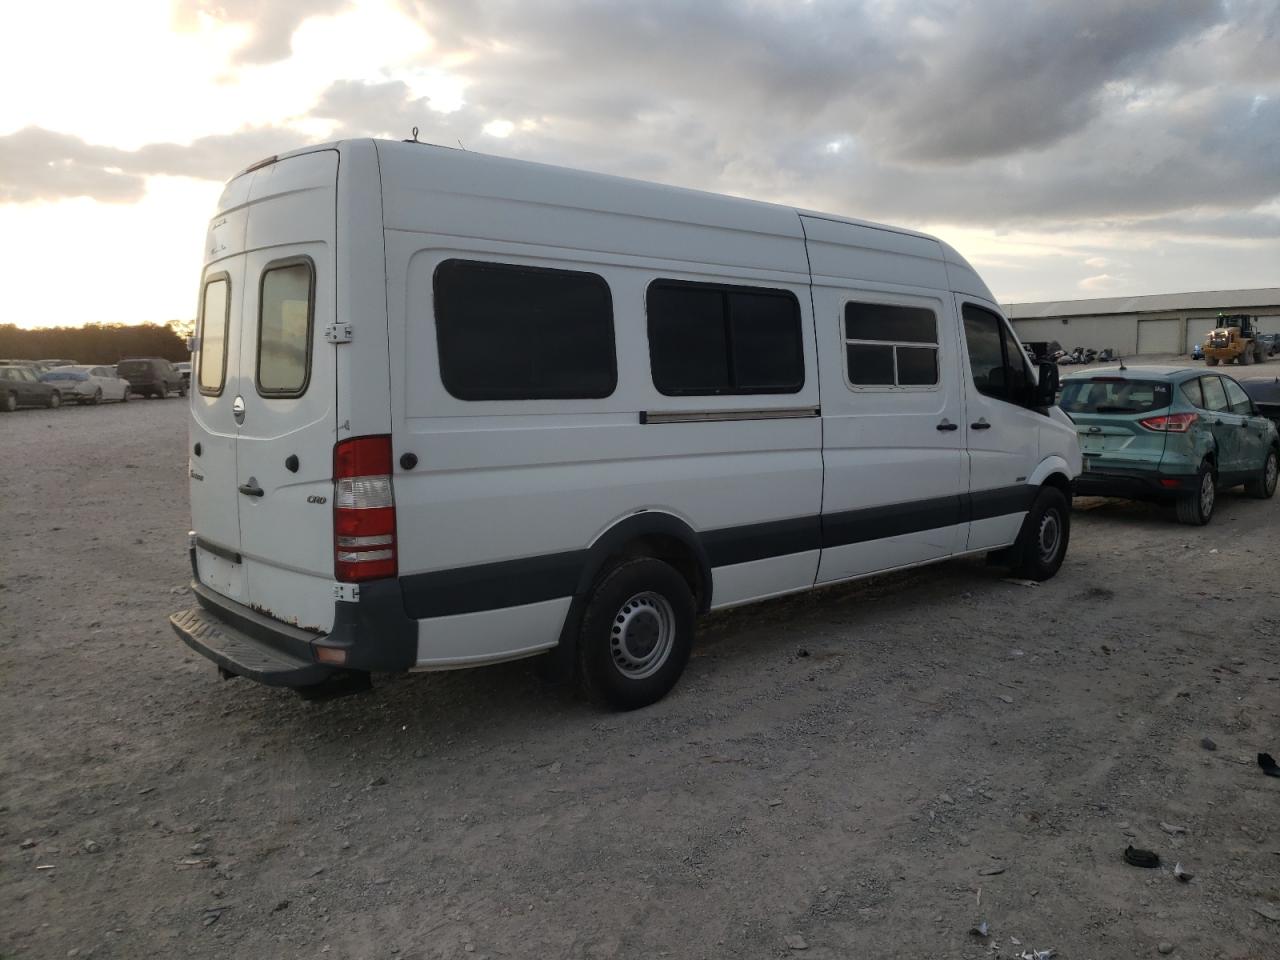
236, 652
373, 634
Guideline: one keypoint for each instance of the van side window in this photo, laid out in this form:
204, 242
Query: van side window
708, 339
888, 345
286, 302
998, 364
508, 332
215, 312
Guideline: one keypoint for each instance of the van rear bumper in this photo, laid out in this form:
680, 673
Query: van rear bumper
371, 634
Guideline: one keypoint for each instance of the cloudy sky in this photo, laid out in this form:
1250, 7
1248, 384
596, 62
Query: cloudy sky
1069, 148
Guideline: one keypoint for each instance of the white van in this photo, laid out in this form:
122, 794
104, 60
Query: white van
450, 410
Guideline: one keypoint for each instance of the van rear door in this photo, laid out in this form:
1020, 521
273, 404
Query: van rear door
286, 406
215, 507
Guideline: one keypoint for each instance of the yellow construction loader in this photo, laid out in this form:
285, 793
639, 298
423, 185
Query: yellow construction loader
1234, 338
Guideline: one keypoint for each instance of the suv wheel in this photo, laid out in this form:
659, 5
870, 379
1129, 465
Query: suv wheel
1042, 544
637, 631
1264, 485
54, 401
1197, 508
9, 402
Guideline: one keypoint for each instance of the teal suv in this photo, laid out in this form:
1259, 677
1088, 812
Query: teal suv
1169, 434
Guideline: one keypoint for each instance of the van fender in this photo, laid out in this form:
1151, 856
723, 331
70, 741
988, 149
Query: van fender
559, 663
1048, 466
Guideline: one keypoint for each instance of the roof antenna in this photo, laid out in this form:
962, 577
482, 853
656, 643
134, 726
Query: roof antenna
460, 146
1122, 366
415, 137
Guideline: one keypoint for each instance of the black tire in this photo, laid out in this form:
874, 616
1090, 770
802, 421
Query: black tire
54, 401
1211, 361
10, 402
161, 393
124, 397
97, 397
1246, 358
1046, 531
637, 631
1197, 509
1263, 486
182, 389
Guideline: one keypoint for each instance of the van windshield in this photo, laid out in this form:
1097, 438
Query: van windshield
1114, 395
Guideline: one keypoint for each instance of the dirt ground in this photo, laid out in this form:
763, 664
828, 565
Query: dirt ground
866, 771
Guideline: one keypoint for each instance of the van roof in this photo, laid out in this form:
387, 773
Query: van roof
625, 195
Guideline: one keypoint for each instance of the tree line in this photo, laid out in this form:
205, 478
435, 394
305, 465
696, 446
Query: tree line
96, 342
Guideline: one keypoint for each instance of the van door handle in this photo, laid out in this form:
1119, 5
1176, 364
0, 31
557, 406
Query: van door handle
251, 489
948, 425
980, 425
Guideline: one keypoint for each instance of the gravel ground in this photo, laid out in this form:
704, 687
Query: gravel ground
864, 771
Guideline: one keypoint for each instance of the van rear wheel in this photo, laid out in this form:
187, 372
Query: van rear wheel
636, 635
1042, 543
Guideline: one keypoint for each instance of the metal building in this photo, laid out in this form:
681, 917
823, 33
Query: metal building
1165, 323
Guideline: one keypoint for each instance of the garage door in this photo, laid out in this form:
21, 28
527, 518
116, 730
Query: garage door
1159, 336
1197, 330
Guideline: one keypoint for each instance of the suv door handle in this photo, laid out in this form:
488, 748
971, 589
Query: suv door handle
251, 489
948, 425
980, 425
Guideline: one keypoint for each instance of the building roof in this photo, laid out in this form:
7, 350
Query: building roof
1226, 301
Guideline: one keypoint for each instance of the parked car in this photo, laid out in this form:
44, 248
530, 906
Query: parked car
21, 387
86, 384
184, 368
640, 404
1171, 434
1270, 343
1264, 391
151, 376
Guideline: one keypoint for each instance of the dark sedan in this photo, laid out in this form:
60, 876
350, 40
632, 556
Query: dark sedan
21, 387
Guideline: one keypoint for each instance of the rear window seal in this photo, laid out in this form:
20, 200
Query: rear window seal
226, 333
311, 325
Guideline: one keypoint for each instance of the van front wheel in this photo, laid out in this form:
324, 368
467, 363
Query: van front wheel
637, 631
1042, 544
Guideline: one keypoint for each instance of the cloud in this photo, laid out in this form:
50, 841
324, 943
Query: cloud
1101, 281
271, 23
42, 165
1134, 114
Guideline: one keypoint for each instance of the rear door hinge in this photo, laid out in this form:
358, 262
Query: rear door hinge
347, 592
338, 333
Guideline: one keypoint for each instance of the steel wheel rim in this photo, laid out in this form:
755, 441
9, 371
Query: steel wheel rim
1272, 472
642, 635
1207, 493
1050, 535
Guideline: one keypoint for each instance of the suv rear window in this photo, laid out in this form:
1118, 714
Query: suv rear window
133, 367
1101, 395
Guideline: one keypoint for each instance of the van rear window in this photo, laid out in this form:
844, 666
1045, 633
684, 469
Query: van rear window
1114, 396
215, 310
508, 332
285, 310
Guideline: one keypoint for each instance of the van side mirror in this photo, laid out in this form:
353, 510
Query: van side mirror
1045, 393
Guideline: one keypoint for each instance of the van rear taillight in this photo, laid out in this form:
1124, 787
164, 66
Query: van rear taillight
364, 510
1170, 423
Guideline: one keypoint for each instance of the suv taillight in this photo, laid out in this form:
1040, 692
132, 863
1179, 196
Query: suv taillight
1170, 423
364, 510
